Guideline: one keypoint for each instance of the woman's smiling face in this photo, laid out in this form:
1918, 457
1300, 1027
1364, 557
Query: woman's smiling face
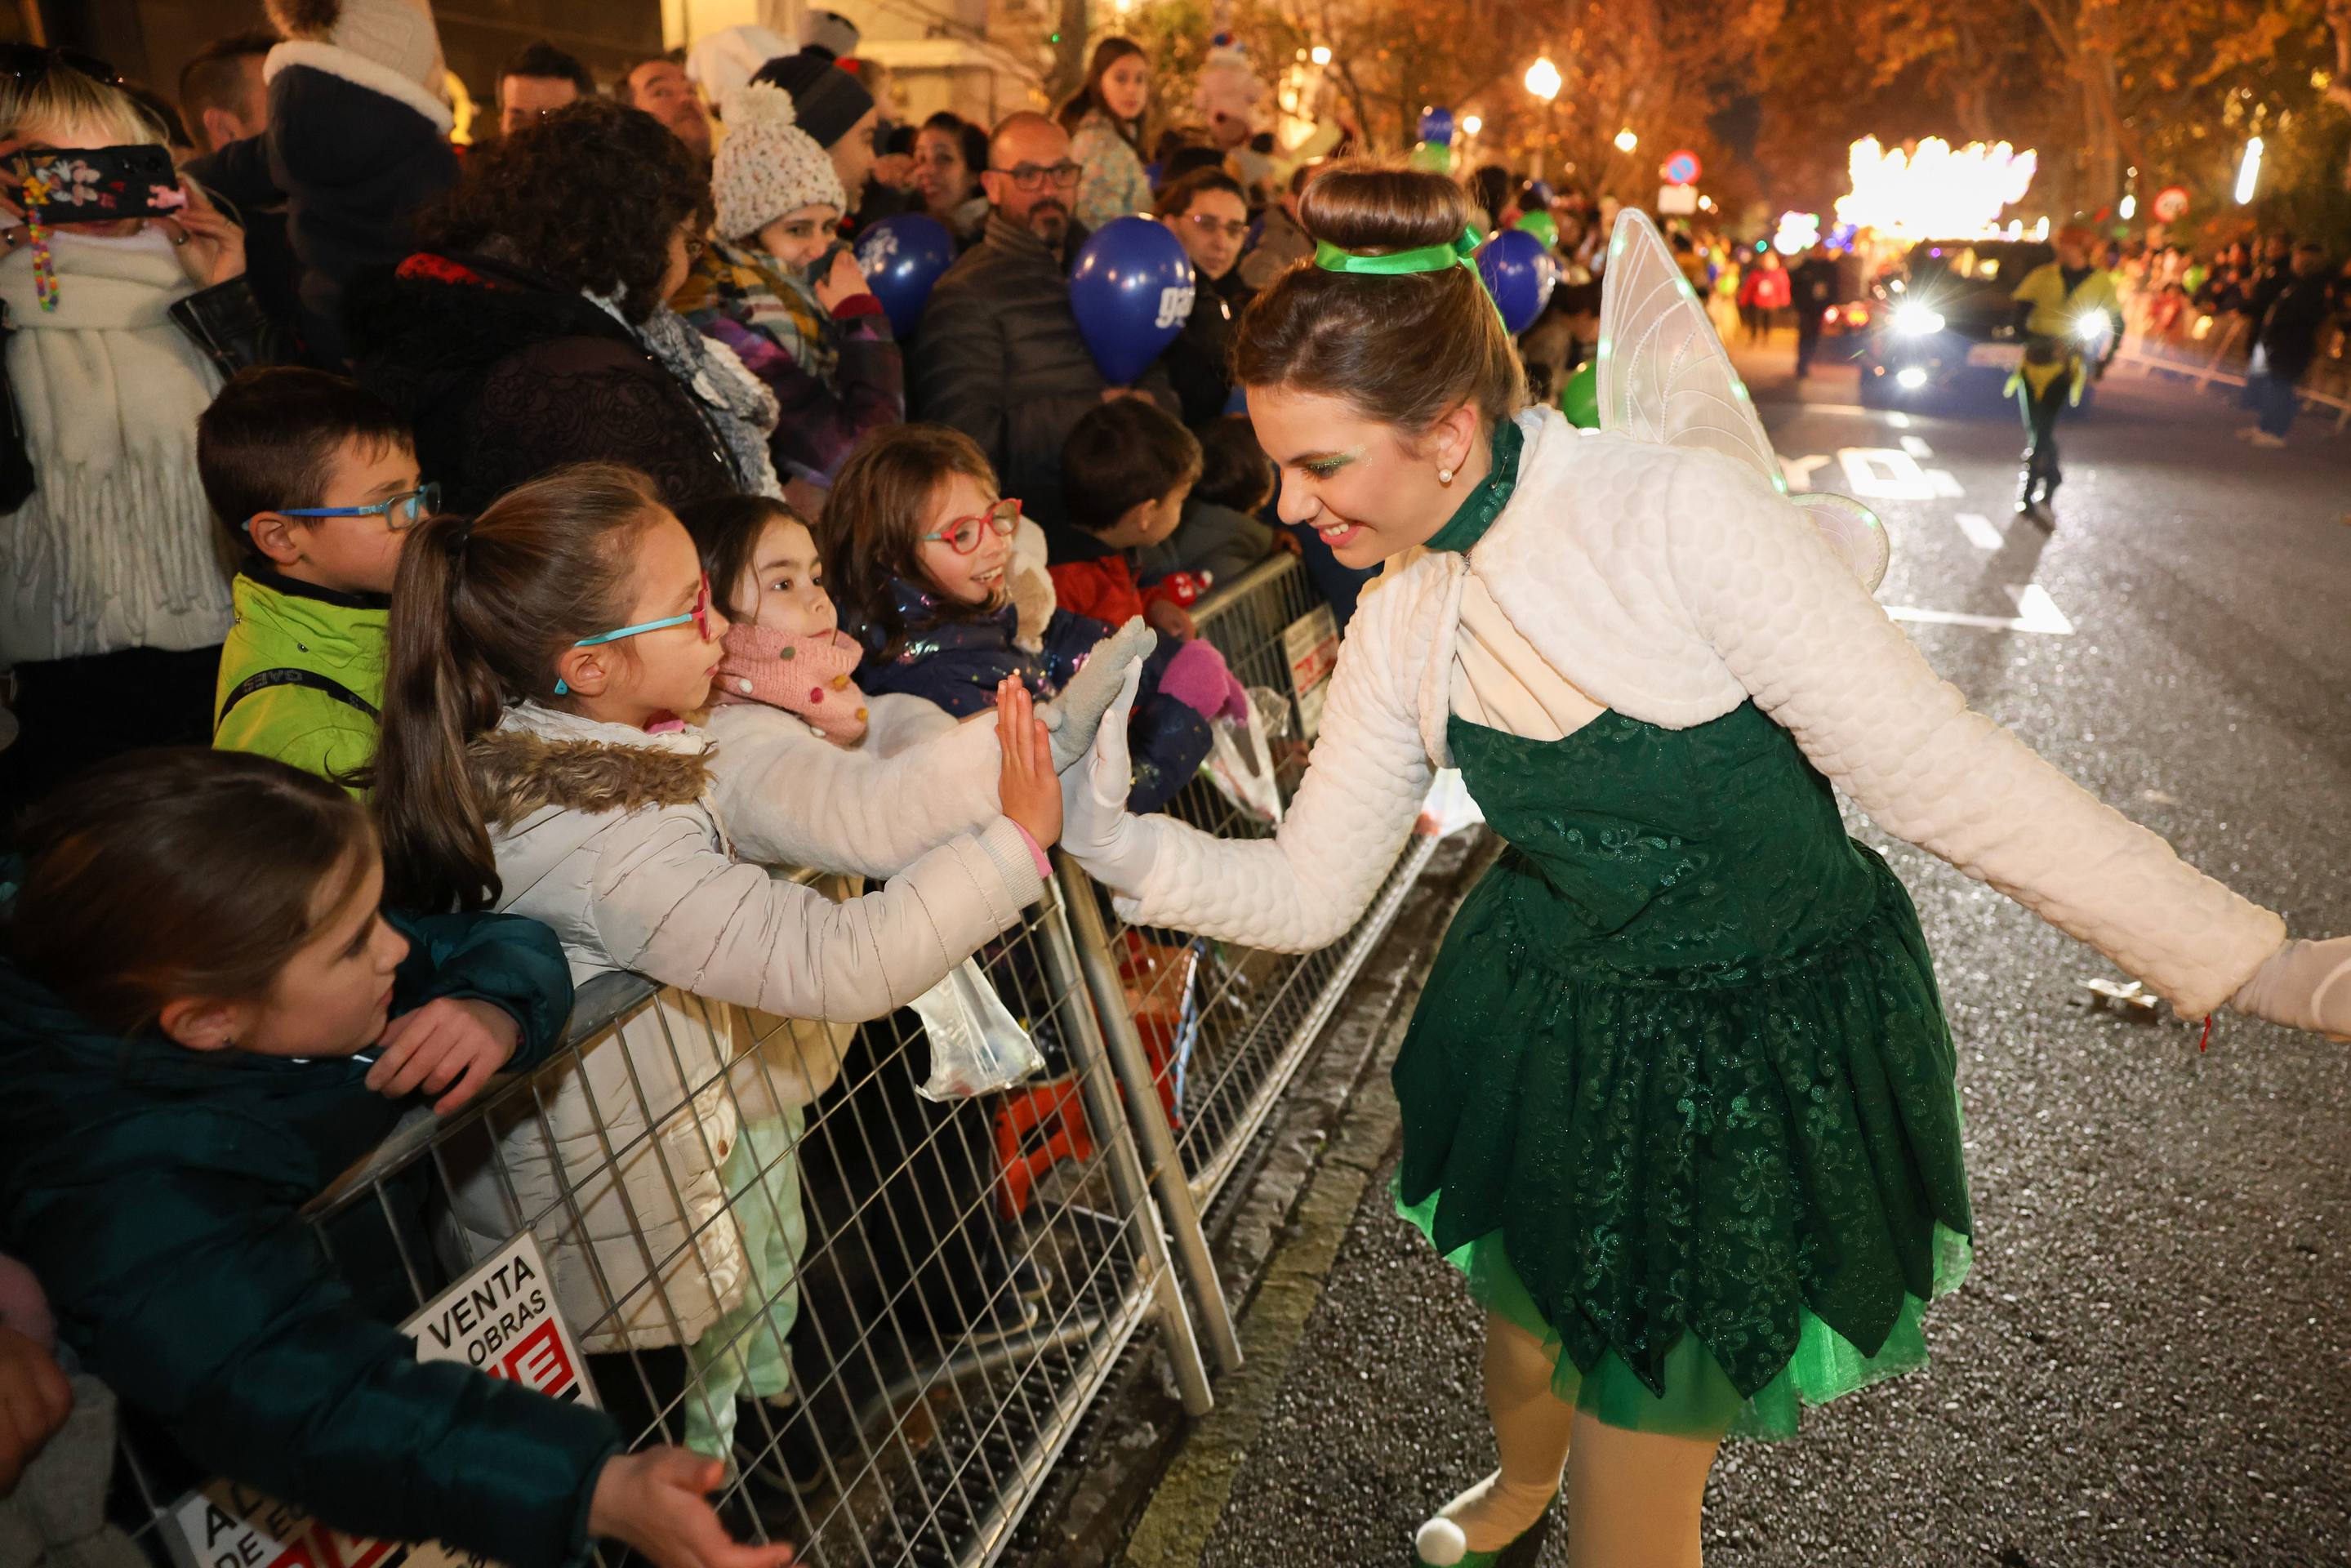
1370, 491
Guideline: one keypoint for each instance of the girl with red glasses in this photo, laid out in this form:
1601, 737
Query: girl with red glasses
923, 556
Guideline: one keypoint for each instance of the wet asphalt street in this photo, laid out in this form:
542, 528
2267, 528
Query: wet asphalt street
2151, 1363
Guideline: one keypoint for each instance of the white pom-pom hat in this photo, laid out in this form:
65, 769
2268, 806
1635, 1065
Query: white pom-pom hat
767, 165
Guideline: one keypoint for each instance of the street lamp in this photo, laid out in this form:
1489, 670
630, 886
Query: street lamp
1627, 141
1321, 55
1544, 79
2249, 172
1472, 125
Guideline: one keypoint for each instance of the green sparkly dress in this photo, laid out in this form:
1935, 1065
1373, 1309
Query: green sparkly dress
1679, 1095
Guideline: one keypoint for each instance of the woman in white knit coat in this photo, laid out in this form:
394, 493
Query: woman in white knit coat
1679, 1097
112, 600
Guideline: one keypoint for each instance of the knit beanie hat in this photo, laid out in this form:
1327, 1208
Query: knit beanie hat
767, 165
828, 98
830, 33
397, 35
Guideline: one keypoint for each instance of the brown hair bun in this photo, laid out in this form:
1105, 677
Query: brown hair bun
1368, 207
1406, 350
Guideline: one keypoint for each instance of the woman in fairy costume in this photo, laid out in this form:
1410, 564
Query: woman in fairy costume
1679, 1097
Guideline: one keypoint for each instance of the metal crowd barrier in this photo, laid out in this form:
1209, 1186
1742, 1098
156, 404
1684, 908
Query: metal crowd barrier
2220, 349
886, 1313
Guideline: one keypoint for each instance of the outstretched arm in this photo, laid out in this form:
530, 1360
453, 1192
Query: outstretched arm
1305, 886
1821, 658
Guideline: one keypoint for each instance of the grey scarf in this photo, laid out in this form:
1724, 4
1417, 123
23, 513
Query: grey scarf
742, 411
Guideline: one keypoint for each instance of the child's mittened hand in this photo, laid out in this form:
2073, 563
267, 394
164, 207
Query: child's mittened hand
1198, 677
1091, 690
1030, 794
658, 1501
445, 1045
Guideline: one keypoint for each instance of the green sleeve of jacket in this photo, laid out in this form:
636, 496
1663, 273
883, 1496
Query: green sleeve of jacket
507, 961
217, 1315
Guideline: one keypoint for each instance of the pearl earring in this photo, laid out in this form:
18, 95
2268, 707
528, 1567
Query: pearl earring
1445, 475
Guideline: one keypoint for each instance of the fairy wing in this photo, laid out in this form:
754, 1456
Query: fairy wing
1664, 376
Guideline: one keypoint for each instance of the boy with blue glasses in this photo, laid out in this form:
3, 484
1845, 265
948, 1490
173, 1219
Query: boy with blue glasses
317, 488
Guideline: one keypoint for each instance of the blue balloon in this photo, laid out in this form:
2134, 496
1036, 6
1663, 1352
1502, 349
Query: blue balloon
1519, 275
1436, 126
901, 257
1132, 292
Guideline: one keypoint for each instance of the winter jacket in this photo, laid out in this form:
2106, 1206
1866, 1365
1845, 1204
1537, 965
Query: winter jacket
502, 374
917, 780
156, 1191
354, 149
735, 295
1673, 586
2290, 330
1765, 289
1214, 540
1282, 244
1110, 181
1094, 580
1813, 284
613, 836
957, 663
284, 626
1000, 357
1200, 360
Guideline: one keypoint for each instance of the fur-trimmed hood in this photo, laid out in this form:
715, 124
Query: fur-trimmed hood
541, 759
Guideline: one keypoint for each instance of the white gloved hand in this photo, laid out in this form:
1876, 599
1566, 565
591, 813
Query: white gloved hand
2305, 985
1074, 713
1097, 829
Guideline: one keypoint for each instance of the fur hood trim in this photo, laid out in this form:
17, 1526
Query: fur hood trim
516, 772
360, 71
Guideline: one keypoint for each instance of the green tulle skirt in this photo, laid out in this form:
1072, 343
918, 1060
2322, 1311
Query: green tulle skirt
1700, 1399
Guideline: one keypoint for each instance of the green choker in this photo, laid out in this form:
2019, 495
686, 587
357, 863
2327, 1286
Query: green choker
1462, 252
1482, 506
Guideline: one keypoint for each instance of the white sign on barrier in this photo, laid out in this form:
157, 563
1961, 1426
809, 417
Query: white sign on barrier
1310, 644
501, 1318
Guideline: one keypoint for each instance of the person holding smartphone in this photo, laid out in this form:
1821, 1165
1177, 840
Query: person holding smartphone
778, 286
114, 605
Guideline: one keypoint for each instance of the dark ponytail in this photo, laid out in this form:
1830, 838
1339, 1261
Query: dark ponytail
479, 615
1364, 338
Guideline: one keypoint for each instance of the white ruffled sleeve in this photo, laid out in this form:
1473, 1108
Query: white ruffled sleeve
1818, 654
1364, 785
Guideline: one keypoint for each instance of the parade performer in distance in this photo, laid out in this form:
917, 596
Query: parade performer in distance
1679, 1097
2073, 326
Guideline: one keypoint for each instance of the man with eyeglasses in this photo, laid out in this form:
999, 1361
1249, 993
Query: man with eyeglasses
999, 355
1209, 216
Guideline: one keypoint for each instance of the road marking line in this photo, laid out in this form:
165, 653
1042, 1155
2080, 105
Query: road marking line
1979, 530
1916, 447
1946, 483
1885, 474
2036, 612
1898, 420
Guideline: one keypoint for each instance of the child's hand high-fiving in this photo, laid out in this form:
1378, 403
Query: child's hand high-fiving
1027, 786
448, 1048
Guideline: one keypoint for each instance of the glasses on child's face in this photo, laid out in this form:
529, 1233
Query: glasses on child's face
399, 513
699, 615
1033, 176
963, 535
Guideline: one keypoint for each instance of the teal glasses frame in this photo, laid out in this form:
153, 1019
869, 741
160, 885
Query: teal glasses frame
699, 615
399, 513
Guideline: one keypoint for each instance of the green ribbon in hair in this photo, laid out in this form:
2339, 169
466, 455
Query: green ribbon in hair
1462, 252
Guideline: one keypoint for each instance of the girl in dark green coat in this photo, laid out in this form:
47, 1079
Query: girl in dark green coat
206, 1016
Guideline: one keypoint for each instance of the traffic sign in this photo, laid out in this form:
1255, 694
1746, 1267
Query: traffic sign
1681, 168
2171, 203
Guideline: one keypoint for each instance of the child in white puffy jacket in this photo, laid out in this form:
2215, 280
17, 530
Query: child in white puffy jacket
533, 761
